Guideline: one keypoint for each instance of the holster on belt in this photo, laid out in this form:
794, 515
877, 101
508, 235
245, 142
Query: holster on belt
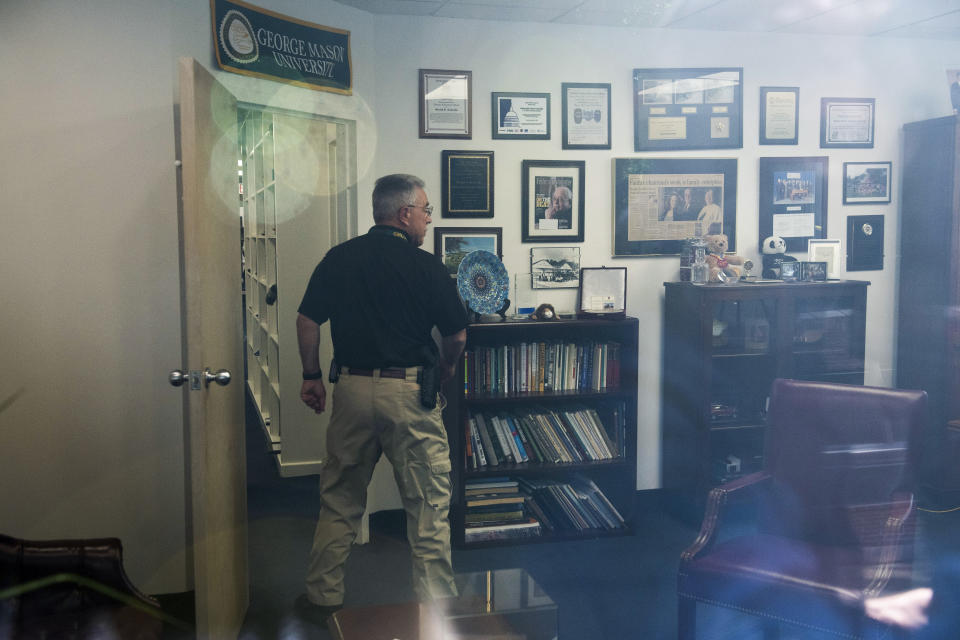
429, 380
334, 371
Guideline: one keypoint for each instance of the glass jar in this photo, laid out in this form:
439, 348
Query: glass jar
700, 270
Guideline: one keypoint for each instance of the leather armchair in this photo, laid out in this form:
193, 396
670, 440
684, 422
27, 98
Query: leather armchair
834, 514
72, 589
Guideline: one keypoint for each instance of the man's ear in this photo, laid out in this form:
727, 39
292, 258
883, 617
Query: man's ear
403, 216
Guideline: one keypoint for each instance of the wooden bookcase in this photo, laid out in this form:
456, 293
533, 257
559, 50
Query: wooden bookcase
723, 347
616, 477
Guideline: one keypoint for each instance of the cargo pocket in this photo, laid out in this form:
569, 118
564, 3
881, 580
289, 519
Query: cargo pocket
438, 488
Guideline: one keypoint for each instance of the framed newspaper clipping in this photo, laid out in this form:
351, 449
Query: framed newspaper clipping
659, 202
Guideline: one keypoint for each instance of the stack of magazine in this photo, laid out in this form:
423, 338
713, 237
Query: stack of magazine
496, 510
574, 434
578, 505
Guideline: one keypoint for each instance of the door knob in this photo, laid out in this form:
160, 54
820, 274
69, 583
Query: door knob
221, 377
178, 377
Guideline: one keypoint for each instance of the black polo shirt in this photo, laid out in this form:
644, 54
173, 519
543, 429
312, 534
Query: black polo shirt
383, 296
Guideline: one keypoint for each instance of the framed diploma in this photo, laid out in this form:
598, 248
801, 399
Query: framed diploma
659, 202
467, 178
779, 115
553, 200
793, 200
677, 109
446, 104
586, 115
520, 116
846, 123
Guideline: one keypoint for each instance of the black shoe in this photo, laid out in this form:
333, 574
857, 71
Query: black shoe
314, 613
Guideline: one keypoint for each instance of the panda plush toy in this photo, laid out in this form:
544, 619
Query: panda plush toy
774, 255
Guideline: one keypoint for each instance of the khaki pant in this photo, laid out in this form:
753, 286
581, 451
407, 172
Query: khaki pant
373, 415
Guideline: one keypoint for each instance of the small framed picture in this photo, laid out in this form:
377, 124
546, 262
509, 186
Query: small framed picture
826, 251
847, 123
866, 182
603, 292
586, 115
520, 116
813, 271
452, 244
790, 271
865, 243
553, 200
446, 101
555, 268
467, 179
779, 115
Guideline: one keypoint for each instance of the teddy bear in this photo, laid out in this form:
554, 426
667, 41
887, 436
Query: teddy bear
774, 254
728, 265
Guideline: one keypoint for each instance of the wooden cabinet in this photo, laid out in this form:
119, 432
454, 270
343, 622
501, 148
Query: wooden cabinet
723, 347
489, 383
928, 327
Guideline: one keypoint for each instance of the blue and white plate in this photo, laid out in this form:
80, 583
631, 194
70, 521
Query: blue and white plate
482, 281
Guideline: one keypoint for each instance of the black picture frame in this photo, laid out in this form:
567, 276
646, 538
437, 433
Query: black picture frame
867, 182
555, 267
457, 99
530, 122
793, 200
586, 115
540, 179
865, 243
847, 123
779, 115
676, 109
471, 238
638, 225
467, 179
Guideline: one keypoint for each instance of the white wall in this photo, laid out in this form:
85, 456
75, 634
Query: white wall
905, 76
93, 443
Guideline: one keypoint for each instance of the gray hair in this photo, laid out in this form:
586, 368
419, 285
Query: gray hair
392, 192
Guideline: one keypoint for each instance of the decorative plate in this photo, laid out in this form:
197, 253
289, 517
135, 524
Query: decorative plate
482, 281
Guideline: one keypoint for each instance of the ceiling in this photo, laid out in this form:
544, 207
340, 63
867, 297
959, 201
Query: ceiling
896, 18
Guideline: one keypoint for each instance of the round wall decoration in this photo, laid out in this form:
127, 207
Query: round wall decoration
483, 282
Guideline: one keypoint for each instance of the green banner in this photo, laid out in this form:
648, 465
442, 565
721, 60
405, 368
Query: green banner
261, 43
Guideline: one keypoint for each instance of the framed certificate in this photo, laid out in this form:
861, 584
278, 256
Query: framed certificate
793, 200
586, 115
677, 109
446, 104
520, 116
846, 123
467, 178
779, 115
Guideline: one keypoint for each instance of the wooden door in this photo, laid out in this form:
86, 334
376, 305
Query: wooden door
212, 339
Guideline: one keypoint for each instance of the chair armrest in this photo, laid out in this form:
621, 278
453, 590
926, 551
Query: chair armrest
900, 511
713, 515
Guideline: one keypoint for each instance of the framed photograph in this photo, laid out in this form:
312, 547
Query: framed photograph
520, 116
677, 109
827, 251
779, 115
846, 123
586, 115
553, 200
446, 104
793, 200
867, 182
659, 202
864, 243
603, 292
467, 179
452, 244
555, 268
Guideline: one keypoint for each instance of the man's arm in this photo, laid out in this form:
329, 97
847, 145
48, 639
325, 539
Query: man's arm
450, 349
312, 392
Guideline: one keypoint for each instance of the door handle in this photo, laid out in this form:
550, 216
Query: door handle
178, 377
221, 377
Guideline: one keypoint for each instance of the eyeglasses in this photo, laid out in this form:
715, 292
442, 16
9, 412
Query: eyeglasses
427, 208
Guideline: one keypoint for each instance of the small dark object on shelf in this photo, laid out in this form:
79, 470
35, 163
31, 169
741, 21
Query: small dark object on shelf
544, 312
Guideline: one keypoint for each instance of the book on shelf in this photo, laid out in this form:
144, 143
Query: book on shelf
527, 529
479, 424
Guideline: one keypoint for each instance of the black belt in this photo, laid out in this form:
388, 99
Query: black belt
390, 372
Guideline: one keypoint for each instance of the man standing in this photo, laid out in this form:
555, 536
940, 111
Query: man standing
561, 208
711, 217
383, 296
688, 210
